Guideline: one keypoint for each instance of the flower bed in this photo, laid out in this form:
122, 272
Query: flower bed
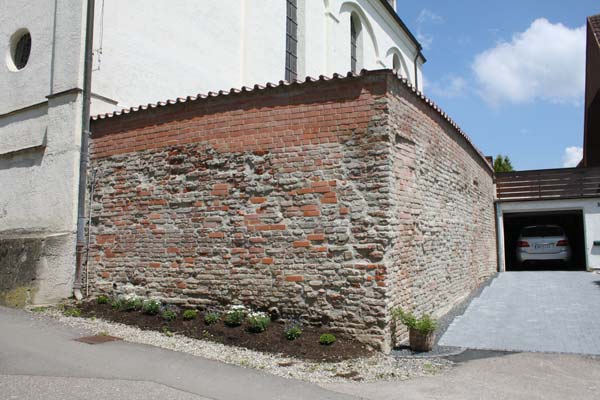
248, 334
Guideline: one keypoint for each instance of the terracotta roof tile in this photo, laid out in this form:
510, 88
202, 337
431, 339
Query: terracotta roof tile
307, 80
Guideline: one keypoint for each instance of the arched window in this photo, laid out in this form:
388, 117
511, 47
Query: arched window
397, 67
355, 43
20, 49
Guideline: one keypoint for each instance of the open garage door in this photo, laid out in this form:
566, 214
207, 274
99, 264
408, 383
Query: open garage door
570, 221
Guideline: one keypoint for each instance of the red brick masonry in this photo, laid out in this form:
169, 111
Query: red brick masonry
332, 200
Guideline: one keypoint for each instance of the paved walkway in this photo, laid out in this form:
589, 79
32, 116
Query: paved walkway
533, 311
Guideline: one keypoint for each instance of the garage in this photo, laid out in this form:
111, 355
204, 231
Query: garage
570, 221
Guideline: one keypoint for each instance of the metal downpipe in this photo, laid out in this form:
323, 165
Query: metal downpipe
84, 154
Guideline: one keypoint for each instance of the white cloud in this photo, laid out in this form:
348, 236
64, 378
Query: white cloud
572, 157
426, 17
547, 62
450, 86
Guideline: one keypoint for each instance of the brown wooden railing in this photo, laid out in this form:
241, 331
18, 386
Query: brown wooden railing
548, 184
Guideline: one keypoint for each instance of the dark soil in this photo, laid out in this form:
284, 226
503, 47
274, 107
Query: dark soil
271, 341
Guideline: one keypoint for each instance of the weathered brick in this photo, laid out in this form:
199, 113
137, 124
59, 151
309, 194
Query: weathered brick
316, 237
315, 213
103, 239
329, 198
302, 243
179, 179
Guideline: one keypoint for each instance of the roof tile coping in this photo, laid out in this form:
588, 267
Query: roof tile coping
245, 89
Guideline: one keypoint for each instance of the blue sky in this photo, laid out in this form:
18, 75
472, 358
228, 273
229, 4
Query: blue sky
510, 73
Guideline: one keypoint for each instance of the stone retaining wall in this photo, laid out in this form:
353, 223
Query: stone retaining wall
443, 195
291, 197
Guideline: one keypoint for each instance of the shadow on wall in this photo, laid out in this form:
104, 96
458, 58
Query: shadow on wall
26, 158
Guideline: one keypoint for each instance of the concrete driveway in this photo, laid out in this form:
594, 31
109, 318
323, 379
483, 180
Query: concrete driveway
533, 311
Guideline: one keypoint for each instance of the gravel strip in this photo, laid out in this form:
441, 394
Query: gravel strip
376, 368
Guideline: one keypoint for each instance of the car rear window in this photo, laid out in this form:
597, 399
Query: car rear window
542, 231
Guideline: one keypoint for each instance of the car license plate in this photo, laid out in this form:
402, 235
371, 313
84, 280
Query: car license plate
544, 246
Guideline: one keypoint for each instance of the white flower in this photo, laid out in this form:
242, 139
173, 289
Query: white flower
256, 314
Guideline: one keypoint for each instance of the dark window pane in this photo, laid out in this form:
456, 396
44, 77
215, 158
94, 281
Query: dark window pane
353, 40
22, 51
542, 231
291, 42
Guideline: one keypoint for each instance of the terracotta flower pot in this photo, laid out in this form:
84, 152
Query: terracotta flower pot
421, 342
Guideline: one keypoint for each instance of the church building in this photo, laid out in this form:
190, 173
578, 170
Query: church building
277, 153
145, 52
149, 51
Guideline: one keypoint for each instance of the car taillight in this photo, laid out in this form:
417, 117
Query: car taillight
522, 243
562, 243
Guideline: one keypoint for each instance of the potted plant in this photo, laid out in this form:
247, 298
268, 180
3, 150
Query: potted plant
421, 331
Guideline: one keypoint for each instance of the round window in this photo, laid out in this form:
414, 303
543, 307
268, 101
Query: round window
20, 49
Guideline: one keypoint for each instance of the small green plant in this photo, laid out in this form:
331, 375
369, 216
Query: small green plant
72, 312
292, 332
151, 307
424, 325
116, 303
167, 332
235, 316
327, 339
211, 318
38, 309
102, 299
189, 315
206, 334
169, 315
257, 322
132, 304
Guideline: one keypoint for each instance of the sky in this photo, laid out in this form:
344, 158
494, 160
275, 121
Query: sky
511, 73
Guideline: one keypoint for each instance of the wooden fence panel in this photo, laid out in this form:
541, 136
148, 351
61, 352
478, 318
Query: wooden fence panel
566, 183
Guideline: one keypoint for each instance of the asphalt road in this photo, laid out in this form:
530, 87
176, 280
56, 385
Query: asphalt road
519, 376
40, 360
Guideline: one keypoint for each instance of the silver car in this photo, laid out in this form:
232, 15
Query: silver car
543, 243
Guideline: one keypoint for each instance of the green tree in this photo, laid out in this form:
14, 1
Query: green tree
503, 164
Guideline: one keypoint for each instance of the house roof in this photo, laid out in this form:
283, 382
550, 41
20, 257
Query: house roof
591, 141
403, 26
308, 80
